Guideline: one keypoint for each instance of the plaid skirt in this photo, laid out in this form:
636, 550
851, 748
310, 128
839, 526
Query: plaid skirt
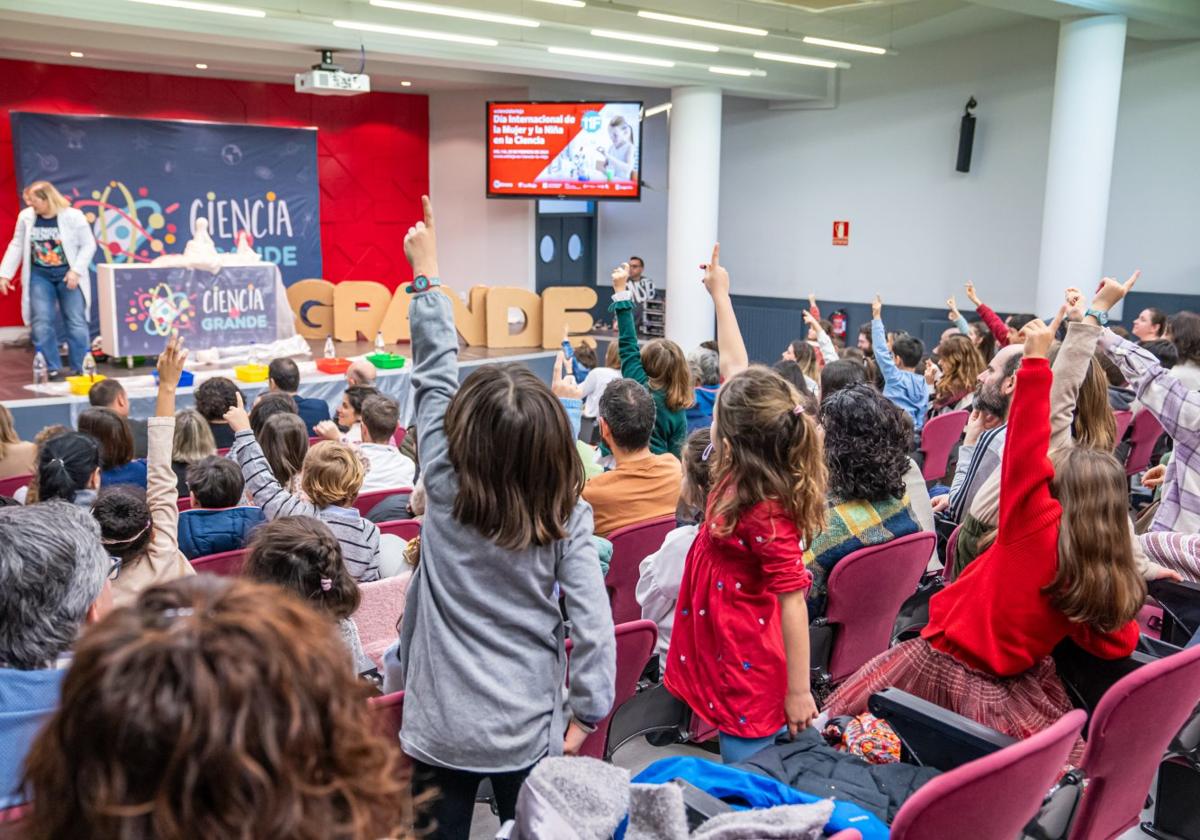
1018, 706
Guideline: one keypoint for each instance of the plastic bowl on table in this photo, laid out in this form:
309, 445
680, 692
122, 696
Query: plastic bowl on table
252, 373
80, 385
186, 378
387, 361
335, 366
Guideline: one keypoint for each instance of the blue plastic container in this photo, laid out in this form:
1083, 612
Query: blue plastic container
185, 379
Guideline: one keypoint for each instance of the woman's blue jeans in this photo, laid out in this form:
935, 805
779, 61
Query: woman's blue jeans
44, 293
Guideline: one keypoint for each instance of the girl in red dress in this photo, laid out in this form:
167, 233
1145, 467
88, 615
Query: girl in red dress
739, 647
1060, 567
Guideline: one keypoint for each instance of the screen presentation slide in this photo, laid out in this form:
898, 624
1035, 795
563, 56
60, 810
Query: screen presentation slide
583, 150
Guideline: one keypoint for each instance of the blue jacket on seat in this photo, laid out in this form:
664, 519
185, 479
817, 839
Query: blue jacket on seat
203, 532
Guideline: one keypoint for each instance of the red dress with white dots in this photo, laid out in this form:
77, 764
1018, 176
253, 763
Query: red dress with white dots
727, 659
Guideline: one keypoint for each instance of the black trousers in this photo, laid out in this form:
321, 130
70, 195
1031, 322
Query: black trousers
448, 815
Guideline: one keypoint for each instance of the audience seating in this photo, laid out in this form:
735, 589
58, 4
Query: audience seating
866, 591
635, 644
405, 529
631, 545
8, 486
1127, 736
1146, 431
938, 439
389, 712
994, 797
1124, 418
379, 613
227, 563
366, 501
398, 437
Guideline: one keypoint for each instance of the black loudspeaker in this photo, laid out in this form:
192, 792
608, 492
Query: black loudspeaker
966, 137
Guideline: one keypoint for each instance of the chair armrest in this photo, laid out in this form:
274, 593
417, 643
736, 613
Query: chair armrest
1180, 601
933, 736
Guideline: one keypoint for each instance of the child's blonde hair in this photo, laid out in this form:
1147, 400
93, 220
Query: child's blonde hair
667, 369
332, 474
767, 447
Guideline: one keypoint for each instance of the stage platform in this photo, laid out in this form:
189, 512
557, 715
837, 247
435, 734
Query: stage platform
33, 409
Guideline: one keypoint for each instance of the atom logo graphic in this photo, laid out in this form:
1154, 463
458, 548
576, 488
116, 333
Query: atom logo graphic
158, 310
128, 228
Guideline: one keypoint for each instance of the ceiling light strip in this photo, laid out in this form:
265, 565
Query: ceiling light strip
455, 12
196, 6
607, 56
704, 24
844, 45
571, 4
657, 40
737, 71
406, 32
797, 59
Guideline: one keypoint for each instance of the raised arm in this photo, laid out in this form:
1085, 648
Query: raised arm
261, 485
1026, 470
999, 330
162, 488
731, 347
627, 342
577, 370
813, 309
883, 353
956, 317
824, 343
435, 349
1070, 369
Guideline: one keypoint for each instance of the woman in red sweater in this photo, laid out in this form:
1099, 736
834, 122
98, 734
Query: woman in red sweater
1061, 567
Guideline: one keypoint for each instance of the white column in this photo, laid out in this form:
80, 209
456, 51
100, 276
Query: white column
693, 172
1083, 129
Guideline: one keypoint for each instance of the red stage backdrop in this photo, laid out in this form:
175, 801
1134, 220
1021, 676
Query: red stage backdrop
372, 150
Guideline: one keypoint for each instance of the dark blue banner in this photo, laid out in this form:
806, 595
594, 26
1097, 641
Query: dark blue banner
144, 183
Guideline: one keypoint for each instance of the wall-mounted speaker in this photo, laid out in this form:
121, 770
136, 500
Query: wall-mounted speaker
966, 137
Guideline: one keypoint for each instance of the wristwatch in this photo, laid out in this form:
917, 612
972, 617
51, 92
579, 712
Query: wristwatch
1099, 315
420, 283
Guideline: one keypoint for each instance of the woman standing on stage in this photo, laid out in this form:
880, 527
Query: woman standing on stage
53, 245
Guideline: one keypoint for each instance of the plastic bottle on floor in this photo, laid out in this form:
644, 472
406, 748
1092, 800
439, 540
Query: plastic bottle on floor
41, 372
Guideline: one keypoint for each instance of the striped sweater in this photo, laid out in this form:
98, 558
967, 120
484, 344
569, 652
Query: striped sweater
358, 537
849, 526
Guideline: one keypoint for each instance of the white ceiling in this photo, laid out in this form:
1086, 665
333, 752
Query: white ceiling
129, 35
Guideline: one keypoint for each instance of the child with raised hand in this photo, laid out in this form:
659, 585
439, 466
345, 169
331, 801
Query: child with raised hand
144, 533
660, 365
1061, 568
739, 643
481, 652
898, 362
330, 479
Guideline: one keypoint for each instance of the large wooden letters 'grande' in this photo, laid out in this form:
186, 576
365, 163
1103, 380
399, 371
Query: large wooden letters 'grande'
359, 307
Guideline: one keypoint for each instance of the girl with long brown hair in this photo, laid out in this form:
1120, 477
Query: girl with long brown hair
739, 645
1061, 567
214, 707
960, 363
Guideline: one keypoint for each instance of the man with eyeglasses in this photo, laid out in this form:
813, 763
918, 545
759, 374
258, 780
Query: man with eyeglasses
54, 576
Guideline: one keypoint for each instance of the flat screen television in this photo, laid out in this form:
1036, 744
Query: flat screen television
580, 150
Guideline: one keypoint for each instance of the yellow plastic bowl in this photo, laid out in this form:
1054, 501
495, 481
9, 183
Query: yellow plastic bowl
80, 385
251, 373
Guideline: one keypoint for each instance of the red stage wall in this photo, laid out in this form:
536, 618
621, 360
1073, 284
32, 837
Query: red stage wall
372, 150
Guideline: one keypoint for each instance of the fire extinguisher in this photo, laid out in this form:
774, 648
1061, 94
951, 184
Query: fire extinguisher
838, 319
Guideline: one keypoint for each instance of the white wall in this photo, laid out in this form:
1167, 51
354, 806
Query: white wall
1154, 206
884, 160
627, 228
484, 241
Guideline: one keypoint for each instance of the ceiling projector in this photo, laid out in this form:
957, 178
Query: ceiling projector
329, 79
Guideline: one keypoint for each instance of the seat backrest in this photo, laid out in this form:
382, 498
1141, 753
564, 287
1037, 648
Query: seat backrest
405, 529
991, 798
366, 501
1123, 417
398, 436
635, 643
866, 589
951, 548
631, 545
937, 441
389, 712
1130, 729
378, 614
1146, 431
8, 486
227, 563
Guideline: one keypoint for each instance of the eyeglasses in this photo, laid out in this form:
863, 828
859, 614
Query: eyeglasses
116, 567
